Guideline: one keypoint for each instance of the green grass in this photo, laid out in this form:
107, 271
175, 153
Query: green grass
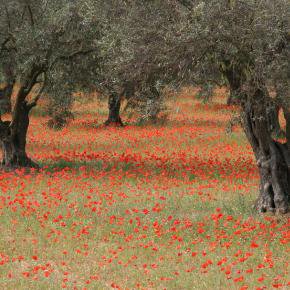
147, 211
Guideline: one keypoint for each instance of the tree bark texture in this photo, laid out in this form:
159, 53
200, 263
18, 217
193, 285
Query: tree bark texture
5, 98
13, 141
114, 105
13, 133
234, 80
272, 111
273, 157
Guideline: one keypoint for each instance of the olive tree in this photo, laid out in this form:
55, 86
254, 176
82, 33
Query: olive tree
131, 68
247, 42
44, 48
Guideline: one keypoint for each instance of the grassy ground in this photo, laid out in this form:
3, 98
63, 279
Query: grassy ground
155, 207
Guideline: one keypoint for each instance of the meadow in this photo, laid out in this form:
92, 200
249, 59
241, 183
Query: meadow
166, 206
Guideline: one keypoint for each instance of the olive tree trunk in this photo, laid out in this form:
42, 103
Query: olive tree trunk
272, 111
13, 133
234, 84
114, 105
234, 80
13, 141
273, 157
286, 112
5, 98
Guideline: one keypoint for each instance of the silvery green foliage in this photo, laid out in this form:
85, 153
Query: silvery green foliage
251, 37
133, 44
60, 39
106, 44
194, 42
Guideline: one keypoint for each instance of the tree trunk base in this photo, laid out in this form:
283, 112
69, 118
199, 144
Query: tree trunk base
261, 205
114, 123
23, 162
273, 157
275, 180
13, 150
114, 105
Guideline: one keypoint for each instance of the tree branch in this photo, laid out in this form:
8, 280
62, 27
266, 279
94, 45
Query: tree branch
72, 55
28, 7
23, 92
186, 3
3, 45
8, 18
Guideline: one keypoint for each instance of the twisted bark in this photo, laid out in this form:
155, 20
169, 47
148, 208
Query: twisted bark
13, 133
235, 86
273, 157
13, 141
114, 103
272, 111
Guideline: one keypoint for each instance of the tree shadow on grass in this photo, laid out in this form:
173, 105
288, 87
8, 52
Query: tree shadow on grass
58, 165
196, 167
199, 123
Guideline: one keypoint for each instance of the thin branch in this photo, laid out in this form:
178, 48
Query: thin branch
23, 92
8, 18
3, 45
30, 13
186, 3
72, 55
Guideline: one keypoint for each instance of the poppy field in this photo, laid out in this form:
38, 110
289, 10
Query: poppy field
166, 206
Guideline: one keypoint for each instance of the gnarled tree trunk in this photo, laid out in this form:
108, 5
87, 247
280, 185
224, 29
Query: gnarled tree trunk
273, 157
13, 133
235, 85
114, 105
234, 80
5, 98
286, 112
272, 111
13, 141
6, 91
